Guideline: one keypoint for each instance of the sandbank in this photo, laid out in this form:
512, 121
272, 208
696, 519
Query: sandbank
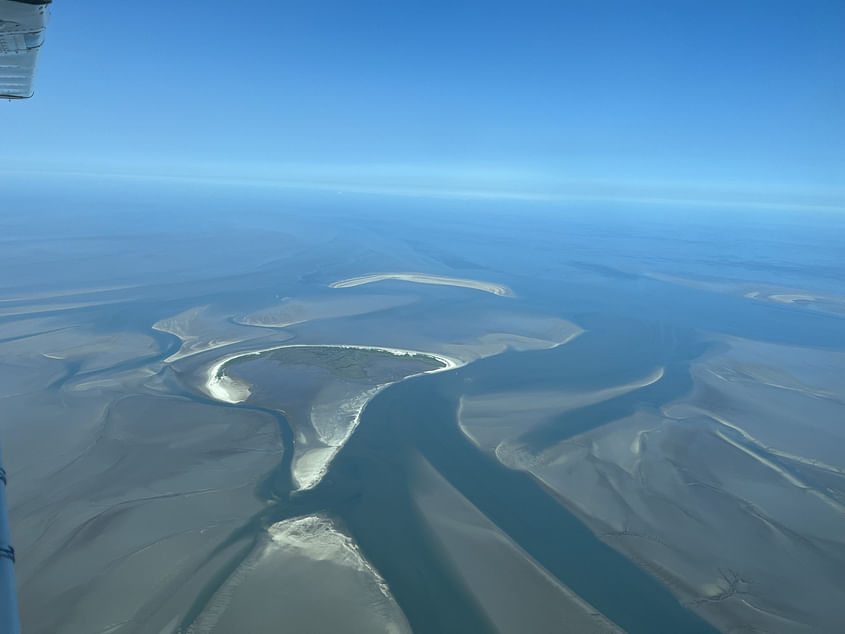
425, 278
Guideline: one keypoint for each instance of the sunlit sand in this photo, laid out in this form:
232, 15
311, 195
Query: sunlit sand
425, 278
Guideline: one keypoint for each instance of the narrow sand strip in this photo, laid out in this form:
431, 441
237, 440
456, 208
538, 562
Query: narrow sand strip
425, 278
678, 412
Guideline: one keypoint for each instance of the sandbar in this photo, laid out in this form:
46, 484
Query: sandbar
425, 278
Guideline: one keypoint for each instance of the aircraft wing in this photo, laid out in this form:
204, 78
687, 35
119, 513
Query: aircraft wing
22, 25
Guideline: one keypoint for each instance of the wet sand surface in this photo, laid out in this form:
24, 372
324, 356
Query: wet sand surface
611, 447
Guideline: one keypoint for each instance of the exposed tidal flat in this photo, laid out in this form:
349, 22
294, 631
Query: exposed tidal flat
247, 449
297, 310
698, 489
385, 473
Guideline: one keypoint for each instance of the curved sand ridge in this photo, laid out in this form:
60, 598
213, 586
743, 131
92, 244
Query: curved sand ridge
221, 387
200, 330
425, 278
308, 468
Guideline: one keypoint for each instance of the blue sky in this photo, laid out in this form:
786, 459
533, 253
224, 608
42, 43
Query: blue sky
732, 94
